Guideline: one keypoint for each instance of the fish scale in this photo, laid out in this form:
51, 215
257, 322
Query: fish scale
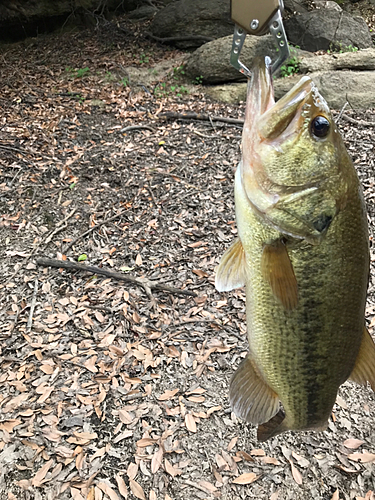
303, 255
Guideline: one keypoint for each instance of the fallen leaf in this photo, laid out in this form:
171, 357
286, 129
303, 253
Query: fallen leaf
123, 489
364, 457
297, 476
173, 471
41, 474
257, 452
137, 489
232, 443
138, 260
168, 395
190, 423
247, 478
156, 460
208, 486
335, 496
132, 470
353, 444
108, 491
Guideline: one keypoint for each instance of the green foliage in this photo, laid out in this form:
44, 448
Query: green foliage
125, 81
178, 72
163, 89
82, 257
144, 59
77, 73
198, 80
290, 68
339, 48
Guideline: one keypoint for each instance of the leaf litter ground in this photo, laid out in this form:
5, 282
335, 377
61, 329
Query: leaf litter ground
107, 391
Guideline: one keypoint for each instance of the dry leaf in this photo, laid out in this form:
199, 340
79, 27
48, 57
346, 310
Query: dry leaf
152, 495
353, 444
247, 478
364, 457
173, 471
132, 470
232, 443
125, 417
297, 476
258, 452
137, 489
142, 443
138, 260
41, 474
274, 496
335, 496
190, 423
167, 395
156, 460
108, 491
208, 486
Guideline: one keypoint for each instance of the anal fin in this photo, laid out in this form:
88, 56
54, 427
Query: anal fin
231, 272
278, 271
250, 396
364, 368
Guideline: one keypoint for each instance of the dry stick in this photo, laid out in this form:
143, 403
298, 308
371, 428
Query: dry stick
32, 307
146, 284
170, 115
137, 127
99, 224
363, 123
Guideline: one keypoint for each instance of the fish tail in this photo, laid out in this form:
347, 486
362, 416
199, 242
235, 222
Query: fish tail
275, 426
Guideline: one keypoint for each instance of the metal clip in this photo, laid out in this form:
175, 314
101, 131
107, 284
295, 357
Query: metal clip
273, 24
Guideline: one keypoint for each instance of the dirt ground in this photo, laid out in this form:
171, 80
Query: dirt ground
108, 390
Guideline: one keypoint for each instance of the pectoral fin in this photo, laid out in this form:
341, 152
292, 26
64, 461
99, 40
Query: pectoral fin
250, 396
231, 272
278, 271
364, 368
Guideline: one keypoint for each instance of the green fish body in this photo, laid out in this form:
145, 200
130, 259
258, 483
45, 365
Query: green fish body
302, 252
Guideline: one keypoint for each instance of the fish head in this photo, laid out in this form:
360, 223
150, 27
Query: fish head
295, 169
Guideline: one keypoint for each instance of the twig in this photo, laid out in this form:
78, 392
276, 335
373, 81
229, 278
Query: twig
186, 38
60, 226
341, 112
148, 187
170, 115
99, 224
362, 123
137, 127
146, 284
32, 307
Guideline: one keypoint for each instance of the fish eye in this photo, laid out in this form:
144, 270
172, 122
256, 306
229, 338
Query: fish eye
320, 126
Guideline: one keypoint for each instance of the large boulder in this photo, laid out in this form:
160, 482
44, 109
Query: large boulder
211, 62
323, 29
194, 19
359, 61
336, 87
22, 18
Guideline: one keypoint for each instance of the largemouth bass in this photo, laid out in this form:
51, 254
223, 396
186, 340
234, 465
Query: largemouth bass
303, 253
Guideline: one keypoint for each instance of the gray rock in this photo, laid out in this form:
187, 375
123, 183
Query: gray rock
360, 60
209, 18
293, 6
211, 60
336, 87
319, 29
143, 12
328, 5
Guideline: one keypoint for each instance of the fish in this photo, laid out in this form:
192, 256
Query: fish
302, 252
